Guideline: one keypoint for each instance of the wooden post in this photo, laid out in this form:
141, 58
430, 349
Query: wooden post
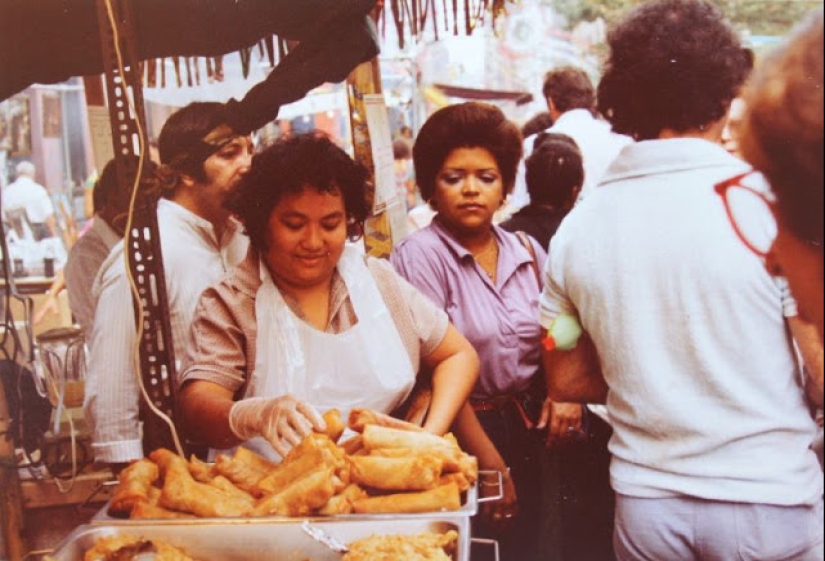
365, 80
11, 510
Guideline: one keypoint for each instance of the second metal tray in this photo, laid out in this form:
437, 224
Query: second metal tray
259, 539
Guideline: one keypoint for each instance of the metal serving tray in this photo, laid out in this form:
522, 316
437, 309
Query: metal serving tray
258, 539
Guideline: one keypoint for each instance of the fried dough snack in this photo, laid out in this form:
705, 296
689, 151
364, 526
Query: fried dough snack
468, 465
353, 445
114, 548
239, 473
312, 452
222, 483
187, 495
335, 425
376, 437
309, 493
200, 470
253, 460
419, 547
360, 418
394, 443
182, 493
342, 502
418, 473
446, 497
134, 484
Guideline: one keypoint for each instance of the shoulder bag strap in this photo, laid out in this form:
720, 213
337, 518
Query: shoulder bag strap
528, 245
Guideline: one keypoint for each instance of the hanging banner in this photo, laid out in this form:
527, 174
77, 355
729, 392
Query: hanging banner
381, 141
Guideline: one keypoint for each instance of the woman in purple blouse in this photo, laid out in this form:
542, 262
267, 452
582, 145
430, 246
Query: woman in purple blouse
487, 280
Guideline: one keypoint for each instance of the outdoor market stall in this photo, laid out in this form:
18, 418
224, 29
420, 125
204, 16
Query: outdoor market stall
317, 41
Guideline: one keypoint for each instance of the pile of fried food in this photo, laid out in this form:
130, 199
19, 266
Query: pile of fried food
419, 547
389, 467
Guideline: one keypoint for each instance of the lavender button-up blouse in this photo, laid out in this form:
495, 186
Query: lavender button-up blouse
501, 320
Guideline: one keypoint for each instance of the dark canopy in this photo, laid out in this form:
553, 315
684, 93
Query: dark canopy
47, 41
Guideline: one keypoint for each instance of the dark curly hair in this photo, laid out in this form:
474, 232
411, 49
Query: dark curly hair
289, 165
782, 129
673, 64
537, 123
108, 190
569, 88
180, 143
466, 125
554, 172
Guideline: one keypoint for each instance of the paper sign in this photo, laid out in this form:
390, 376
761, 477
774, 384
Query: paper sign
101, 135
382, 159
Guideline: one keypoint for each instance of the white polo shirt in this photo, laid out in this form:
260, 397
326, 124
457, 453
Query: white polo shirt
596, 140
27, 193
705, 396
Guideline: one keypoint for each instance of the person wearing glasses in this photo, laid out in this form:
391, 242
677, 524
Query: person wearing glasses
786, 145
742, 194
684, 336
781, 135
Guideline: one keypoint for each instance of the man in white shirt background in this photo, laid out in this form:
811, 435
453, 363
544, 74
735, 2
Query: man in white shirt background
571, 102
29, 196
111, 203
203, 160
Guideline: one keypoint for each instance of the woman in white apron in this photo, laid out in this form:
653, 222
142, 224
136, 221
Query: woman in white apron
306, 323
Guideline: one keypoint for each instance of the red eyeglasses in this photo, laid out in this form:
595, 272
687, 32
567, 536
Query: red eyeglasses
749, 204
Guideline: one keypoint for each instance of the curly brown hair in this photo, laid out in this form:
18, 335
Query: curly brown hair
466, 125
782, 129
288, 166
673, 64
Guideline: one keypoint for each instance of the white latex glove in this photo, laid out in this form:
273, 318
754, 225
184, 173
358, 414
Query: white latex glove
282, 421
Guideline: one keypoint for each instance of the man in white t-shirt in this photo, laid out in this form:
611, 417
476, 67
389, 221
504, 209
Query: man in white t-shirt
571, 102
28, 196
685, 333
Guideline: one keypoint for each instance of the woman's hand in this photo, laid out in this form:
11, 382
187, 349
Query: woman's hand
499, 516
283, 421
563, 421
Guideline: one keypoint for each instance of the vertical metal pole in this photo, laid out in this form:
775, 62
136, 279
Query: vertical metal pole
11, 499
129, 137
67, 159
365, 80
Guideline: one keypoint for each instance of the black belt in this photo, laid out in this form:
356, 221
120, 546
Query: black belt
500, 402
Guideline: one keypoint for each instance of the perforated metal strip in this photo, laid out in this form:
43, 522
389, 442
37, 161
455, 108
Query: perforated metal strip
157, 359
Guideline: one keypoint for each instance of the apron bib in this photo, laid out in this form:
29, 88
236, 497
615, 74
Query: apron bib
366, 366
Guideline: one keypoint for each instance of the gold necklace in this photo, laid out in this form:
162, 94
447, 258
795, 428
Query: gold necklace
488, 260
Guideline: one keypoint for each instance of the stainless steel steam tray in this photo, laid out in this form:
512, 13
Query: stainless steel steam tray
257, 539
